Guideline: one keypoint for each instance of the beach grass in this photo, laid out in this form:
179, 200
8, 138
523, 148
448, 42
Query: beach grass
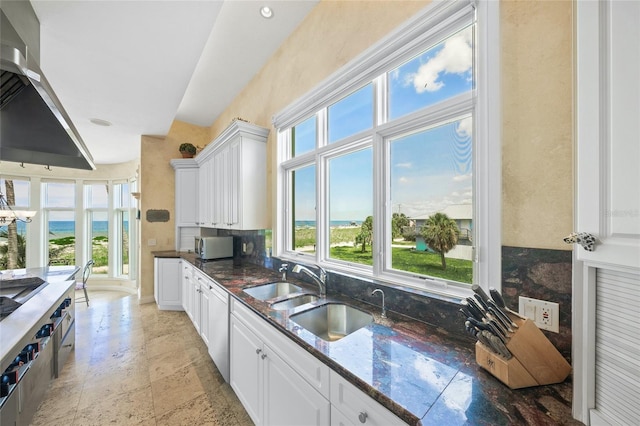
404, 258
62, 251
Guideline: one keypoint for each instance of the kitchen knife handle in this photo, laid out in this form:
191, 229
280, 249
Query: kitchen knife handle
501, 314
480, 292
481, 301
473, 307
497, 297
465, 312
478, 324
500, 319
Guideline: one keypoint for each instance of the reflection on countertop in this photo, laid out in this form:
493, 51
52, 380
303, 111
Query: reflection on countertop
422, 374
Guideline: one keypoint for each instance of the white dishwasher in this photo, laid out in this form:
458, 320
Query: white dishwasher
219, 329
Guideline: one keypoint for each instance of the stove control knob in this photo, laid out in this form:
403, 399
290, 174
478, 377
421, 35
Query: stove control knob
4, 386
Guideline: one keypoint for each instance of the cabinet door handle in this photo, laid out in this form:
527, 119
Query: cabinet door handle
258, 351
363, 416
263, 356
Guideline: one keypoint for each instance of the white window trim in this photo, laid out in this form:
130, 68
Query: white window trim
422, 30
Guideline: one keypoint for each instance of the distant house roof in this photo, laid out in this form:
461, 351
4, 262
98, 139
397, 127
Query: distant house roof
454, 211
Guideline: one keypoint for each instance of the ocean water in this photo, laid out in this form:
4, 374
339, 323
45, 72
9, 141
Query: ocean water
66, 228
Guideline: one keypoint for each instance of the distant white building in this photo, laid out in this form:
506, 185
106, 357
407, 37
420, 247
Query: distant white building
462, 214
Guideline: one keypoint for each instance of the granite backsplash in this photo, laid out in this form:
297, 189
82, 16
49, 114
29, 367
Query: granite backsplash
538, 273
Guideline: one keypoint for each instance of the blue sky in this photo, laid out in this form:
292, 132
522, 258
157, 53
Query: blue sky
429, 170
58, 195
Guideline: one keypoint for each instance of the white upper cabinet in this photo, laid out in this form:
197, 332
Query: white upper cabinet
233, 179
608, 124
186, 213
204, 194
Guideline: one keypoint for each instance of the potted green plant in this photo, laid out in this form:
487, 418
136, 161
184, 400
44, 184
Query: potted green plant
187, 150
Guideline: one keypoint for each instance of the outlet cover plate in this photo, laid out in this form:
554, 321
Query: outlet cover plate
545, 314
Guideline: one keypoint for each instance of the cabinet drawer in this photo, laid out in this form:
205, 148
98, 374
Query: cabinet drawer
356, 407
309, 367
217, 290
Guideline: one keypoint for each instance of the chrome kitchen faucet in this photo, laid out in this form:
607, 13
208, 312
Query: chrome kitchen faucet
321, 281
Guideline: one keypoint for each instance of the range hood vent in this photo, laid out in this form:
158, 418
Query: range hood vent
34, 127
11, 85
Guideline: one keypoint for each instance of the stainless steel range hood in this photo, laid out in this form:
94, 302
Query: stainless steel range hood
34, 127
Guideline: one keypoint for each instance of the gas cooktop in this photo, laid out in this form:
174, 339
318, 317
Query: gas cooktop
15, 292
7, 306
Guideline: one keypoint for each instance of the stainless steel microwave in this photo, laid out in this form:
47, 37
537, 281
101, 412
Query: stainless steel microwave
208, 248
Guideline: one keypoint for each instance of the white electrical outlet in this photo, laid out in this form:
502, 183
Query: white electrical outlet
545, 314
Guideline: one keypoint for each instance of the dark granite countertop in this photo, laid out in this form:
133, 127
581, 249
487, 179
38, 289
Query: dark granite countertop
415, 370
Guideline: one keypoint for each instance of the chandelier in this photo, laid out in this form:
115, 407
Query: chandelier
8, 215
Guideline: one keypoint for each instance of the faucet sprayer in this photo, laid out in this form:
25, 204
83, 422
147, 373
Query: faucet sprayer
384, 308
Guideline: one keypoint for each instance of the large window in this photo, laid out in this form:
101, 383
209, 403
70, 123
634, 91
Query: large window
13, 235
389, 165
76, 220
59, 204
122, 211
96, 197
303, 209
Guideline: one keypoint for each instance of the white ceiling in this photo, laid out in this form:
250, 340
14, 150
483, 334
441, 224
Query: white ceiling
141, 64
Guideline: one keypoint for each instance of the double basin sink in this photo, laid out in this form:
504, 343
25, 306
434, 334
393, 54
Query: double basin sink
330, 321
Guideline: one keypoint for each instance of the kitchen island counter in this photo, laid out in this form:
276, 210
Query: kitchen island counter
14, 327
417, 371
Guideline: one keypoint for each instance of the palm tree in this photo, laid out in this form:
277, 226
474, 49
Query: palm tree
366, 233
11, 234
20, 252
441, 234
398, 222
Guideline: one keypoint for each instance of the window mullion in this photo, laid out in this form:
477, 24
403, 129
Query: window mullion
381, 100
322, 230
380, 203
322, 206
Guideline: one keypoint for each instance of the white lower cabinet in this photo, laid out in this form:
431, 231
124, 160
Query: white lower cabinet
271, 390
167, 290
194, 300
288, 398
186, 276
205, 311
246, 368
207, 306
351, 406
218, 325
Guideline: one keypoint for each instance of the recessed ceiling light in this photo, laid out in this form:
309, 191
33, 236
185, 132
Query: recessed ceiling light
100, 122
266, 12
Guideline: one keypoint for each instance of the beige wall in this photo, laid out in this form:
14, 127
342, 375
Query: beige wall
157, 189
329, 37
537, 116
536, 95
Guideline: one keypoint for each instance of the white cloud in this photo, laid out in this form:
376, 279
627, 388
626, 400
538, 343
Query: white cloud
403, 180
465, 128
454, 58
404, 165
462, 178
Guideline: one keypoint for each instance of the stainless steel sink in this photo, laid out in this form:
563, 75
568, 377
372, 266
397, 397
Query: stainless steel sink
272, 290
332, 321
294, 301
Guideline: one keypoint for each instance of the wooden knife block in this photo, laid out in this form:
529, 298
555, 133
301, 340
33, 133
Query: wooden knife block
535, 360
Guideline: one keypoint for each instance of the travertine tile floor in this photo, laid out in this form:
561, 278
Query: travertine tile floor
136, 365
